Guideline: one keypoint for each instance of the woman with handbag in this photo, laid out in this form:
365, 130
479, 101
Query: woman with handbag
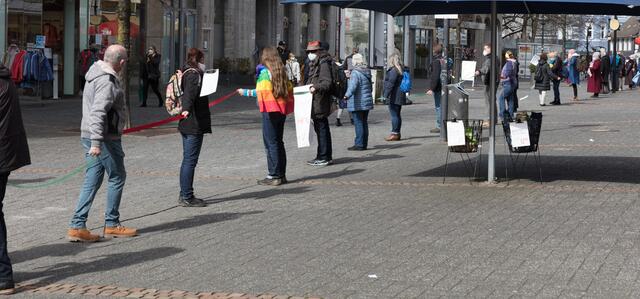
394, 97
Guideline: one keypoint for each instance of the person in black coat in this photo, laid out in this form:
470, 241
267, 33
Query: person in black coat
14, 153
393, 95
556, 68
151, 76
436, 84
196, 123
543, 78
320, 79
605, 69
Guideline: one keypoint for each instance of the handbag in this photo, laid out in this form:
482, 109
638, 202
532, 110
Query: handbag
636, 78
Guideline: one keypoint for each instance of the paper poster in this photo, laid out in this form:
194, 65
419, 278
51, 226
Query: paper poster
455, 133
468, 70
519, 134
535, 59
209, 82
302, 111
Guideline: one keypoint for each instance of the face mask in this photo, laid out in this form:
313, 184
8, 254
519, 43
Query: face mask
552, 60
486, 53
201, 66
312, 56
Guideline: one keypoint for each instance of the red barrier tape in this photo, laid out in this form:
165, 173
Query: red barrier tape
174, 118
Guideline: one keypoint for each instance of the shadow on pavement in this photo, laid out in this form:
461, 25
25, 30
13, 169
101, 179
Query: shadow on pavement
49, 250
397, 145
331, 175
258, 195
28, 181
66, 270
554, 168
362, 159
195, 221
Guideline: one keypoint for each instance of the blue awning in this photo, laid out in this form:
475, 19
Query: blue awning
429, 7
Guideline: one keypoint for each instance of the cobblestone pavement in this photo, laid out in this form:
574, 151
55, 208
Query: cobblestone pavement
376, 224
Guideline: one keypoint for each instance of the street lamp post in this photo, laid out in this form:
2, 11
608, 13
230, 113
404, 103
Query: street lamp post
542, 22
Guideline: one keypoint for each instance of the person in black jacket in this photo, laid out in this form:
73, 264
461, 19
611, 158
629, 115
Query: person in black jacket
196, 123
436, 84
543, 78
14, 153
151, 76
320, 78
556, 68
485, 72
605, 69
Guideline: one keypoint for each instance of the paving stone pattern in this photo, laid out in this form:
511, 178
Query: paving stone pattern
376, 224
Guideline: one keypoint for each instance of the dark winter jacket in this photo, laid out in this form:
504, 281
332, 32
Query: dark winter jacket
199, 119
605, 68
321, 78
391, 88
547, 75
152, 67
435, 82
14, 150
556, 68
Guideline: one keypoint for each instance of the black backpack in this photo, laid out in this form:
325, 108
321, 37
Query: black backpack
338, 81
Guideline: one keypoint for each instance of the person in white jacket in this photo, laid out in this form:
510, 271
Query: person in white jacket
293, 69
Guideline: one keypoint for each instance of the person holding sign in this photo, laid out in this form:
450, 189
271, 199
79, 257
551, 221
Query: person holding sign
196, 123
275, 100
359, 101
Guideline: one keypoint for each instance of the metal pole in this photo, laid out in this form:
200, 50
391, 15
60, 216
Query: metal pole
614, 67
491, 175
444, 101
542, 22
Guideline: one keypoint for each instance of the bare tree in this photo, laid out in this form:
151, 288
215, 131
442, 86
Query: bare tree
124, 39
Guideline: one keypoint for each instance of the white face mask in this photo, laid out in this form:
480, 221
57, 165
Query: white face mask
312, 56
202, 67
486, 52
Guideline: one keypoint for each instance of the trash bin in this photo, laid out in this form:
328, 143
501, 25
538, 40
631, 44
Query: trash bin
454, 105
457, 102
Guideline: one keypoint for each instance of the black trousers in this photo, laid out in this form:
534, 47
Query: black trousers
325, 149
6, 272
153, 83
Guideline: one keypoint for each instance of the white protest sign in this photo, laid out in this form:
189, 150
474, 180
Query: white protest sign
535, 59
209, 82
468, 70
302, 111
519, 134
455, 133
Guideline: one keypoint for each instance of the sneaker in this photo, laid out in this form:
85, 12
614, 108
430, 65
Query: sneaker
192, 202
555, 103
338, 123
356, 148
318, 162
81, 235
120, 232
7, 288
542, 105
435, 131
271, 182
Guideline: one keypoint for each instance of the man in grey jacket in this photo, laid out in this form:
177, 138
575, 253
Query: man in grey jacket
103, 113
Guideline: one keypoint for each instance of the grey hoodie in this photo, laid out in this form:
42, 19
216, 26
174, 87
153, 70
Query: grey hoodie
103, 107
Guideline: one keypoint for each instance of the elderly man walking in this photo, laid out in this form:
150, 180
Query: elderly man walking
103, 114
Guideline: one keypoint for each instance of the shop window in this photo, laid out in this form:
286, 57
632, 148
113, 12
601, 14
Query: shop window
356, 24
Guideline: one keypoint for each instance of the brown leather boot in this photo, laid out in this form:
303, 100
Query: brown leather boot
393, 137
81, 235
120, 232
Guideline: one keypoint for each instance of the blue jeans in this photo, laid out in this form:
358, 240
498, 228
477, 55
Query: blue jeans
396, 118
361, 123
6, 272
325, 148
111, 160
273, 133
437, 98
506, 95
556, 91
191, 145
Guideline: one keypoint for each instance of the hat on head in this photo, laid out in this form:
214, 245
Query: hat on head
313, 46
